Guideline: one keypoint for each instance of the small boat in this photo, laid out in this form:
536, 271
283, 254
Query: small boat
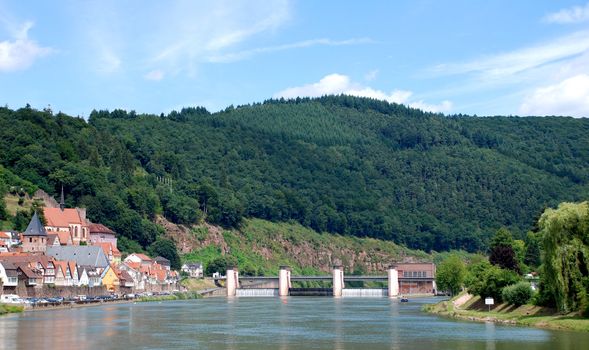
404, 300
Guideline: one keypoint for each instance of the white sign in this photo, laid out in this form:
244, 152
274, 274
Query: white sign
489, 301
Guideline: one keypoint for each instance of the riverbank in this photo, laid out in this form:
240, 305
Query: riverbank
174, 296
472, 308
8, 309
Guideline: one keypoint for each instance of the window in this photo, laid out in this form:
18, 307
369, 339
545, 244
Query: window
32, 281
12, 279
30, 239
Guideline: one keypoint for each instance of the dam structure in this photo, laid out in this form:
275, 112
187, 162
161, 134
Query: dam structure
281, 285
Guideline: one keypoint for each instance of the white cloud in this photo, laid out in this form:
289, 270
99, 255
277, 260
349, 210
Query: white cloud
573, 14
569, 97
334, 84
507, 64
155, 75
370, 76
237, 56
22, 52
180, 36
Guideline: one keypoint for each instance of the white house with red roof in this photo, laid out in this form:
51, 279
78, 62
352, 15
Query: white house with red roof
142, 259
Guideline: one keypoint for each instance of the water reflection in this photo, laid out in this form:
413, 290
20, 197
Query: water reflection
268, 323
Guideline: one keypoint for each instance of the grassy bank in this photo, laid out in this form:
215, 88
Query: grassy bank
473, 309
7, 309
175, 296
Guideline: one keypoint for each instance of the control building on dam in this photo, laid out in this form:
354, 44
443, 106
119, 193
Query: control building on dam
401, 280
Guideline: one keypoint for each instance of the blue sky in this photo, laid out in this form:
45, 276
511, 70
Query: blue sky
526, 57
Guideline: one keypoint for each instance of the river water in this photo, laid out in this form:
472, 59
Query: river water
269, 323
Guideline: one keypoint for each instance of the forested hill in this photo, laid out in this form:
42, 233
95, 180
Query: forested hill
339, 164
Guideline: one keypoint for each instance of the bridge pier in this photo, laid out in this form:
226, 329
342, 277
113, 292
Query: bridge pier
284, 281
232, 281
338, 280
393, 279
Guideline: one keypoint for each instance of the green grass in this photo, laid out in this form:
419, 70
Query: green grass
6, 309
525, 315
261, 247
175, 296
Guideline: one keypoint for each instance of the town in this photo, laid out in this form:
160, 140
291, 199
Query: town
70, 257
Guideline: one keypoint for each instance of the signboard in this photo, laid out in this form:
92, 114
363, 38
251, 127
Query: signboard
489, 302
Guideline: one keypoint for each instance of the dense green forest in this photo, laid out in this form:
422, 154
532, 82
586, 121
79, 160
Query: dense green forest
340, 164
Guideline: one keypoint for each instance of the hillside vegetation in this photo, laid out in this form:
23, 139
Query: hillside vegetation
261, 247
338, 164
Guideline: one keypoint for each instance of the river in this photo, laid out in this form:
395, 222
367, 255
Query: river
269, 323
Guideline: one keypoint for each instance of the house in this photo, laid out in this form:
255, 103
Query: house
8, 274
83, 255
40, 264
35, 237
69, 220
109, 279
28, 276
139, 280
102, 234
193, 270
84, 280
111, 252
60, 279
47, 266
417, 278
73, 268
142, 259
9, 239
126, 280
163, 262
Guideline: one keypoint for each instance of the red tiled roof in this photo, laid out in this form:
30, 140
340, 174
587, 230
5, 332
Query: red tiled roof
57, 218
60, 266
143, 257
99, 228
133, 265
64, 237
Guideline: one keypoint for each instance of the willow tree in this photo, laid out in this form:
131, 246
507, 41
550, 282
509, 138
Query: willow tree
565, 235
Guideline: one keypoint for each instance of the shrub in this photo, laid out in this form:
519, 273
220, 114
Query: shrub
517, 294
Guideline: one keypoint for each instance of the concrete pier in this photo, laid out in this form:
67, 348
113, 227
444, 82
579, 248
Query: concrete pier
338, 280
393, 279
284, 281
232, 282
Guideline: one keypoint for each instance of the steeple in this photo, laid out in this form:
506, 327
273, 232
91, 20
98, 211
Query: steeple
35, 227
62, 201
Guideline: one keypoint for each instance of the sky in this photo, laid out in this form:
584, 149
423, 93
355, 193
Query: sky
501, 57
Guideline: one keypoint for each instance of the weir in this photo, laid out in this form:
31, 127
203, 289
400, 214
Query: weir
365, 292
257, 292
266, 285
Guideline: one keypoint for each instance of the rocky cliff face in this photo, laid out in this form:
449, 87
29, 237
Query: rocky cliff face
268, 245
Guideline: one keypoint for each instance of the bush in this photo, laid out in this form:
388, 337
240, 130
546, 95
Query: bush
486, 280
517, 294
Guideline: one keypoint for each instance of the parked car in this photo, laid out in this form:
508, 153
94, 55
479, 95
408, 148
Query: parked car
10, 299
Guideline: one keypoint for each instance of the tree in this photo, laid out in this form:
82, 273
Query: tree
486, 280
502, 252
532, 257
220, 264
450, 274
3, 213
167, 249
565, 233
517, 294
